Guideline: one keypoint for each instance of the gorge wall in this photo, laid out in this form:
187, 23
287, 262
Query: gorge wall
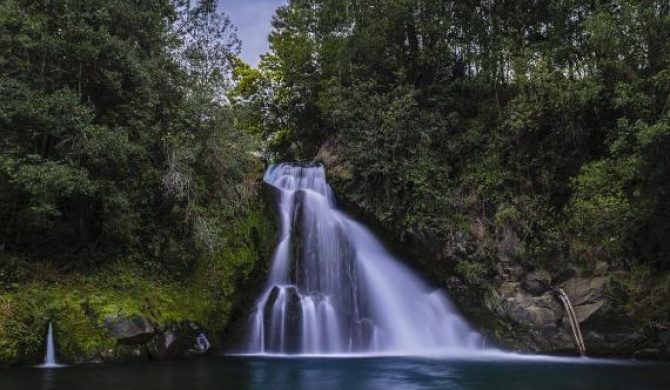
511, 298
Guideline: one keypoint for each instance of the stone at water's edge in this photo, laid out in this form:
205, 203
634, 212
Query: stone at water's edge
539, 323
538, 320
531, 302
139, 339
176, 341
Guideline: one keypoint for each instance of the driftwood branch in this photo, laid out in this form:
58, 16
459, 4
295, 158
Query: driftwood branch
574, 324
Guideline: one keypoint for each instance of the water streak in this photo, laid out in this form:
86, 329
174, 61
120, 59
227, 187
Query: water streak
50, 354
334, 289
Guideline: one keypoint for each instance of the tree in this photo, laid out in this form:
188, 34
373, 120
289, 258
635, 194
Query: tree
210, 44
109, 138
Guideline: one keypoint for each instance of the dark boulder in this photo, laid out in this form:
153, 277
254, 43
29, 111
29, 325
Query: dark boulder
138, 339
536, 282
130, 330
178, 340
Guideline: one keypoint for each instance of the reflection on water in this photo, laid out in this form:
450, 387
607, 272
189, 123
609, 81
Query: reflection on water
260, 373
49, 380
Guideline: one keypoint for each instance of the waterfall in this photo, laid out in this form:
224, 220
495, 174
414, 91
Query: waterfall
334, 289
50, 354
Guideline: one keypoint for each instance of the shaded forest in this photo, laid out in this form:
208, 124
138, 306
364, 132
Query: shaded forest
116, 136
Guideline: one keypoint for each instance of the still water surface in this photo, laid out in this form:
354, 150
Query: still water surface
387, 373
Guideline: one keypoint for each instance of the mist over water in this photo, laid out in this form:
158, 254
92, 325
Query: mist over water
334, 289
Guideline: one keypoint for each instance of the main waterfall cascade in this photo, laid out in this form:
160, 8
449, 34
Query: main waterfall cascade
333, 288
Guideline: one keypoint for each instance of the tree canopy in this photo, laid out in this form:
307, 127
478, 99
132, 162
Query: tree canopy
116, 137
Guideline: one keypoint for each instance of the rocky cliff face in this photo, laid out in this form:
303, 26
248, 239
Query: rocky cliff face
531, 317
516, 304
520, 309
530, 301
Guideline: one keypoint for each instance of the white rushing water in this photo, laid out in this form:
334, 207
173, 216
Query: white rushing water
50, 354
334, 289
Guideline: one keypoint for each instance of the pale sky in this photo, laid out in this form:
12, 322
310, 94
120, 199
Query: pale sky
252, 18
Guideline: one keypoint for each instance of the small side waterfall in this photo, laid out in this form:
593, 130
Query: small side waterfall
50, 354
334, 289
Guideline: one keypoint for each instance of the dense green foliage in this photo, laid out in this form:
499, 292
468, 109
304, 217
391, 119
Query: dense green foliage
116, 139
124, 182
539, 128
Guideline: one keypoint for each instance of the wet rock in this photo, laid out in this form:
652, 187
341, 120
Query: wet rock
139, 340
538, 321
202, 344
508, 270
664, 343
328, 153
126, 353
664, 339
602, 343
586, 294
106, 356
595, 341
623, 341
649, 353
536, 282
537, 312
133, 330
288, 301
178, 340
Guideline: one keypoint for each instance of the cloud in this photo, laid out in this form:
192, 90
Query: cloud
252, 18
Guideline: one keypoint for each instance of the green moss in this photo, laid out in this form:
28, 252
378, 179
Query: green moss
473, 272
18, 338
78, 306
221, 285
226, 279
